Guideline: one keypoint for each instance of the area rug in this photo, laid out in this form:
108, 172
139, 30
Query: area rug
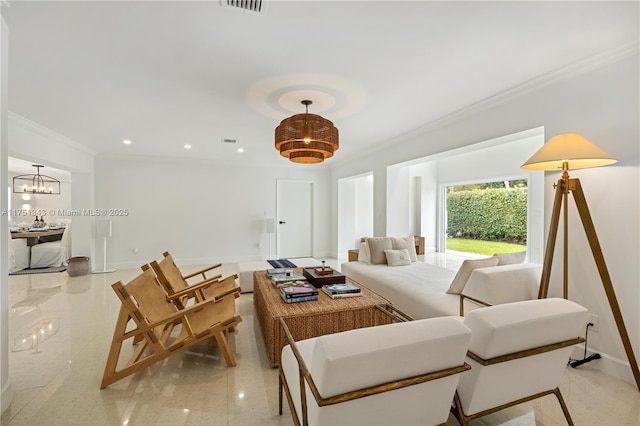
281, 263
40, 270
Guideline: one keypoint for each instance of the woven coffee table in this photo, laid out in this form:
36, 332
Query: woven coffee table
313, 318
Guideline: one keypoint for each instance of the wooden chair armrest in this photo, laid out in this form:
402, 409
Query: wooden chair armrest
204, 284
202, 272
471, 299
193, 288
175, 317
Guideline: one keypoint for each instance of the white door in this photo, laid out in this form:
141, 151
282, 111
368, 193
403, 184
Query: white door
294, 218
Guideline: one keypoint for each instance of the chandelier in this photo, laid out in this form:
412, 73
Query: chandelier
306, 138
36, 183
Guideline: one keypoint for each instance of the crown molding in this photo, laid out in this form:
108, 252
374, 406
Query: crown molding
575, 69
32, 126
212, 161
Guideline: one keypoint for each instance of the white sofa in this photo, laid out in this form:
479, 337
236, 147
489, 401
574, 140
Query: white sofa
420, 289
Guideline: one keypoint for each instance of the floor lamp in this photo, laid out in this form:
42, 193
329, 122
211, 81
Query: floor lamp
103, 230
270, 227
573, 151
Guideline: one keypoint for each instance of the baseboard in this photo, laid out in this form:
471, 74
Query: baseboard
195, 261
6, 395
607, 364
187, 262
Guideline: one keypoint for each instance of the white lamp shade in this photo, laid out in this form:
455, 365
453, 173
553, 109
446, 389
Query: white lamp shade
103, 228
270, 225
570, 148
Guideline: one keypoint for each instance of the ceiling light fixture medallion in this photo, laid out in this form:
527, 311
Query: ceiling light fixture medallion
36, 183
306, 138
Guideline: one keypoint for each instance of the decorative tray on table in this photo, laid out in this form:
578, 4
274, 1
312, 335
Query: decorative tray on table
319, 276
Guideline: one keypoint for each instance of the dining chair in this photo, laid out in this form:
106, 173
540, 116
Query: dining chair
53, 253
19, 254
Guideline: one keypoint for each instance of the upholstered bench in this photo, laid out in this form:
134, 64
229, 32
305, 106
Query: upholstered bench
246, 270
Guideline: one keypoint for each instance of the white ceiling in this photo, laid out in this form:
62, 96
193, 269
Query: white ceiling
164, 74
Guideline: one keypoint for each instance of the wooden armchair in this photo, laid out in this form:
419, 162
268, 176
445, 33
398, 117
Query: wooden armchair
400, 374
180, 291
518, 352
144, 301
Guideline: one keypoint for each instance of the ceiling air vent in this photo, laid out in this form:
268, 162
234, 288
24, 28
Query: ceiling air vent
253, 6
228, 140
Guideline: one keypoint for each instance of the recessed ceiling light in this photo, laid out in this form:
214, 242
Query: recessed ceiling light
240, 149
187, 146
126, 142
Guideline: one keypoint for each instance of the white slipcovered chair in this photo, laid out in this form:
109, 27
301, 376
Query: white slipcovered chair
398, 374
19, 254
518, 352
54, 253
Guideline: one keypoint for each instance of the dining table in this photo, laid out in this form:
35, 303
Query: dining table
34, 236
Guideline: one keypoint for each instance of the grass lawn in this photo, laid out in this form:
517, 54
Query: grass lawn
483, 247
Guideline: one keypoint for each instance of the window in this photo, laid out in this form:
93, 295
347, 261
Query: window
487, 218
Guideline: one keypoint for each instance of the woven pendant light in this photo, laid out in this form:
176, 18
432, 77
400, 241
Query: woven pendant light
306, 138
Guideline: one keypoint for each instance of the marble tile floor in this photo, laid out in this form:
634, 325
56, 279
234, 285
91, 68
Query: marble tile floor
58, 382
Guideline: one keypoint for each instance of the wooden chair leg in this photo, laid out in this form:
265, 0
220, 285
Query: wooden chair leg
116, 346
224, 349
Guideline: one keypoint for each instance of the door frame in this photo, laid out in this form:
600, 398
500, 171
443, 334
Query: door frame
311, 209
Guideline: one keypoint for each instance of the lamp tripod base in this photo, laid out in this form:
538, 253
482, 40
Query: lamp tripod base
106, 271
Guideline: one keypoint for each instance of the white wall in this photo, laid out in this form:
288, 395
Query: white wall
398, 201
355, 212
6, 392
199, 211
346, 216
363, 208
598, 100
428, 173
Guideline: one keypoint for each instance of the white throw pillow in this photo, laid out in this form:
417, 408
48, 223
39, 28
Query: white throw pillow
407, 243
510, 258
377, 246
460, 280
398, 257
363, 253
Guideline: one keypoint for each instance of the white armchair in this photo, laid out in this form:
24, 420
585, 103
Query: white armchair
54, 253
518, 352
398, 374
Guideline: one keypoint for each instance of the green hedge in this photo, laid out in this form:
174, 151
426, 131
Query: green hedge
488, 214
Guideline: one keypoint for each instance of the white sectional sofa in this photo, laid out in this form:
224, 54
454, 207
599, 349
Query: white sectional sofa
420, 289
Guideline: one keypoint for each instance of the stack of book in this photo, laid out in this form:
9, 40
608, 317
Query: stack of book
279, 279
338, 291
298, 292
